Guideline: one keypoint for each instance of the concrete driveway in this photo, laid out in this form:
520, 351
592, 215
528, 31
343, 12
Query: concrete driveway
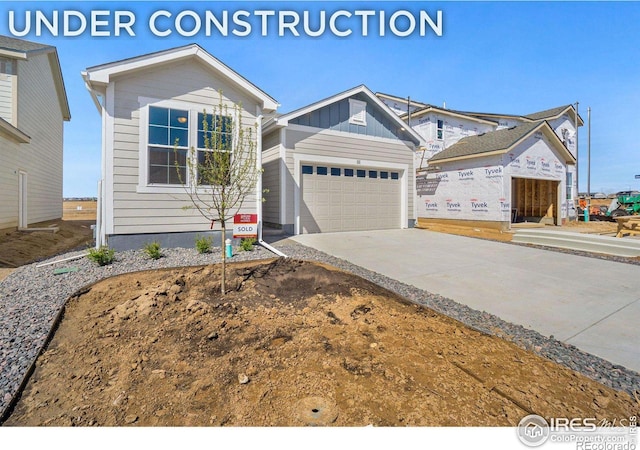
587, 302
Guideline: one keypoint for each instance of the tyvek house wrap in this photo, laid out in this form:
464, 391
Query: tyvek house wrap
479, 188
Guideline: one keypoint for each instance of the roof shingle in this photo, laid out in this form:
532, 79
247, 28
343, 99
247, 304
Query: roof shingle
20, 45
547, 113
487, 142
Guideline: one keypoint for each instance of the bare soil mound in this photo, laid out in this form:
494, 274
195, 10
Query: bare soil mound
292, 344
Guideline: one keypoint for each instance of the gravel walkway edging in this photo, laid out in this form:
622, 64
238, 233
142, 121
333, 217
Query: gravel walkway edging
32, 302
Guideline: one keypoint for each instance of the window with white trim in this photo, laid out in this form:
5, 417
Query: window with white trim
357, 112
176, 136
168, 144
215, 141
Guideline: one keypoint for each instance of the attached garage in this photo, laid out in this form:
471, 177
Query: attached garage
535, 200
342, 164
512, 175
336, 198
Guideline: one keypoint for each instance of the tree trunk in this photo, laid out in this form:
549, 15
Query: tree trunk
224, 258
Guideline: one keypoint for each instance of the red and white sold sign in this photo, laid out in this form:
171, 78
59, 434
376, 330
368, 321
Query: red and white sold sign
245, 226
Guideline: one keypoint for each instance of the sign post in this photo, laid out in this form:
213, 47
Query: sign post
245, 226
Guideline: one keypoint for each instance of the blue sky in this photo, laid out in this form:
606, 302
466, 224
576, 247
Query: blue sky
503, 57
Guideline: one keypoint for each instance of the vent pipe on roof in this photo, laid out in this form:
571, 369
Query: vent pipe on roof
444, 105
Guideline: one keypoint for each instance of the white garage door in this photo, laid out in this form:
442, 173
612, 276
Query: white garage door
338, 198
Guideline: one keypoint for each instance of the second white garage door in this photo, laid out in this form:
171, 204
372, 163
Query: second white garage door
337, 198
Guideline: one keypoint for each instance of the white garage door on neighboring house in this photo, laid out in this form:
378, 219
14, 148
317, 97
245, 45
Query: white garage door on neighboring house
342, 198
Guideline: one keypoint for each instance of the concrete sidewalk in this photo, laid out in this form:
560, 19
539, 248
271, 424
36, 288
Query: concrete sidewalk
587, 302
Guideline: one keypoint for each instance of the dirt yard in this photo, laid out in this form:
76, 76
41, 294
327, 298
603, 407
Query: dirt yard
22, 247
293, 344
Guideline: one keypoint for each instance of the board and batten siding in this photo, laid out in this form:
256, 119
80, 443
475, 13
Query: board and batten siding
336, 117
40, 117
187, 82
271, 164
327, 143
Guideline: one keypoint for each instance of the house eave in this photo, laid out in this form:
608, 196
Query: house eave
544, 127
14, 54
13, 132
58, 81
102, 75
432, 109
466, 157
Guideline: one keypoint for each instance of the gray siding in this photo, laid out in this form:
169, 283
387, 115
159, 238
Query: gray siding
40, 117
271, 140
144, 212
336, 117
9, 163
345, 146
271, 163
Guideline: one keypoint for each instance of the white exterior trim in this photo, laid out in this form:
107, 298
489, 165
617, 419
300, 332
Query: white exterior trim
259, 188
109, 127
357, 112
103, 75
13, 54
143, 186
283, 120
283, 170
300, 158
445, 112
23, 199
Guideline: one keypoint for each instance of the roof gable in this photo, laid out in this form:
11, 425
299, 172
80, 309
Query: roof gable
553, 113
395, 98
499, 142
361, 93
547, 114
23, 50
102, 75
448, 112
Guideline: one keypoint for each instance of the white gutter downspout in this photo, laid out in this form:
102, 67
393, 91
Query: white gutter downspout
259, 189
100, 237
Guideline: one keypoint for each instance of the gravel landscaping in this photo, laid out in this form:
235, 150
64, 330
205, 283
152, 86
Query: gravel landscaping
32, 297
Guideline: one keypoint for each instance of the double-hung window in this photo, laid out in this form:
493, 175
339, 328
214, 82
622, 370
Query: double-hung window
168, 143
215, 145
172, 134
